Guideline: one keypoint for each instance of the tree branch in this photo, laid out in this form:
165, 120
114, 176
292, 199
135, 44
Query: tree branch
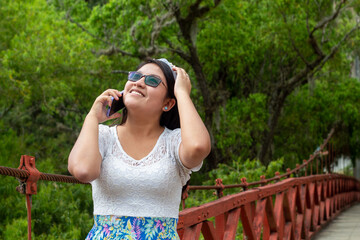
323, 35
111, 51
317, 64
178, 51
293, 42
120, 71
160, 23
189, 22
307, 18
328, 19
84, 29
335, 48
6, 110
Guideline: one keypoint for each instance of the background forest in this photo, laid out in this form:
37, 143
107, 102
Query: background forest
270, 79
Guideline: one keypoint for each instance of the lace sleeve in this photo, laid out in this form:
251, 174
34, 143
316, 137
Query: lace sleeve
104, 139
175, 140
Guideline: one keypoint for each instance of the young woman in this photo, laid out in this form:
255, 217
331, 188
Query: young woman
137, 168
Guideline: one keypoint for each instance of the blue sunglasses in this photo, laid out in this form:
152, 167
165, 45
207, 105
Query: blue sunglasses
150, 80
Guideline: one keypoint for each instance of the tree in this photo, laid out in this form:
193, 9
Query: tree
325, 34
221, 42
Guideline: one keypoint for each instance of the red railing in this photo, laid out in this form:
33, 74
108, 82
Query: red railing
281, 207
294, 208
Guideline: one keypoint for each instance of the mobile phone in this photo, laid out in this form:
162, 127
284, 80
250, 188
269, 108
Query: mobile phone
116, 105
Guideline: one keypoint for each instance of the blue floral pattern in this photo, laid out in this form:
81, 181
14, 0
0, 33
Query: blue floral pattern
108, 227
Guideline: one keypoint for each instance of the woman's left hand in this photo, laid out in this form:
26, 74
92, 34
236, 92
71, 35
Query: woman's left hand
182, 82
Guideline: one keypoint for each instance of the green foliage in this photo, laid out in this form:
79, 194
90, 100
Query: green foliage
62, 210
250, 169
232, 174
16, 230
242, 122
310, 115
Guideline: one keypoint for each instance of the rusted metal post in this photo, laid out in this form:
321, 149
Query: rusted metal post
28, 186
262, 179
184, 196
277, 175
245, 184
322, 167
288, 170
329, 159
317, 164
219, 191
332, 156
297, 170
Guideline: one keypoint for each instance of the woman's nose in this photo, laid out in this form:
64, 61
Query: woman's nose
140, 82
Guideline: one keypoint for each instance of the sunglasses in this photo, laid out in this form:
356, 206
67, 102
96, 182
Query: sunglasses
151, 81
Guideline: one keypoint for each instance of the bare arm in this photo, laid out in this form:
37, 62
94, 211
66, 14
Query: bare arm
195, 144
84, 161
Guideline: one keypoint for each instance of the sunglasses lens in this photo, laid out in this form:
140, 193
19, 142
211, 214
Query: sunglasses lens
134, 76
152, 81
149, 80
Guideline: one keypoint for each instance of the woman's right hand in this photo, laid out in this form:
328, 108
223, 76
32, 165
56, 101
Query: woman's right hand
98, 109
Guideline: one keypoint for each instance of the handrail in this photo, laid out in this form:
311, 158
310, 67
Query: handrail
302, 206
219, 187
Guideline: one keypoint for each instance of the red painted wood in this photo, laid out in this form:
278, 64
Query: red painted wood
270, 215
301, 207
192, 233
247, 221
299, 229
259, 217
231, 224
288, 232
266, 228
220, 221
278, 213
208, 231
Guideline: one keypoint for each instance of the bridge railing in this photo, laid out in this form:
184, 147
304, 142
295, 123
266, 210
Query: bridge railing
295, 208
281, 207
320, 162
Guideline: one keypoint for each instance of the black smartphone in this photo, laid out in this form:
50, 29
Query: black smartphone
116, 106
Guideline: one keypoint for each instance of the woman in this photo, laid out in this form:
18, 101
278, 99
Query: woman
137, 169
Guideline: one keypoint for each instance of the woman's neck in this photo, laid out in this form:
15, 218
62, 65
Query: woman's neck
142, 127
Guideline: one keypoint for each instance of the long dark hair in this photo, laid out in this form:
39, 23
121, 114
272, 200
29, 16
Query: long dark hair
171, 118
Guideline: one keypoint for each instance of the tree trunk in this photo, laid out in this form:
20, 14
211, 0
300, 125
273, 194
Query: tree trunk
275, 107
209, 106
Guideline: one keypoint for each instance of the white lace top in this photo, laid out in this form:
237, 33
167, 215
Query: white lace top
149, 187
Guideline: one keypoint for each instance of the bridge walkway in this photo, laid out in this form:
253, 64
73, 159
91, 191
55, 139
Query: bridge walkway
346, 226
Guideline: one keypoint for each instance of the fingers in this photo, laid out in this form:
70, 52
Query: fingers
109, 95
182, 82
181, 72
112, 93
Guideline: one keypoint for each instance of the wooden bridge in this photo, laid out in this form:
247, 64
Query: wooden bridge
294, 205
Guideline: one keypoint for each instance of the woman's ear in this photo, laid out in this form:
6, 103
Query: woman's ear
169, 104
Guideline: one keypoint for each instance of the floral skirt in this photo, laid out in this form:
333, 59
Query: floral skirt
108, 227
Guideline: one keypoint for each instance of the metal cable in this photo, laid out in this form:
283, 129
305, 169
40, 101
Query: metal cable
22, 174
